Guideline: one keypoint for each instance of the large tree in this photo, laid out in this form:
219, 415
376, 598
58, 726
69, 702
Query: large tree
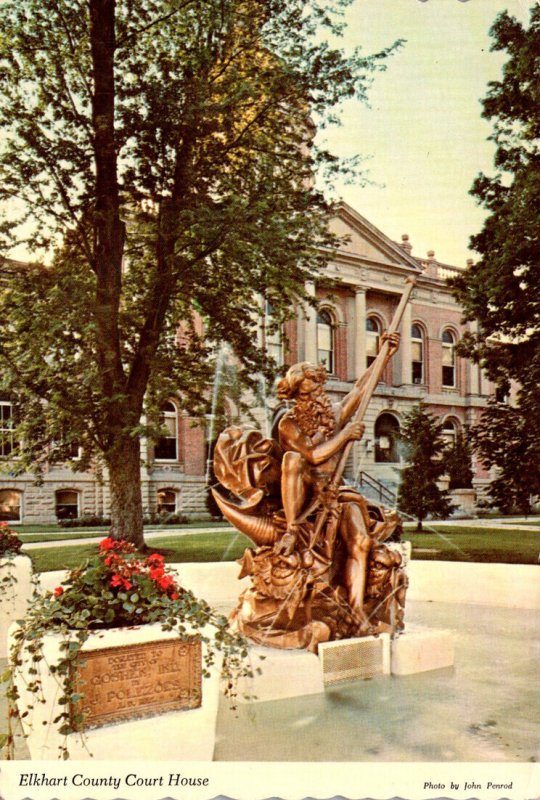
161, 156
502, 290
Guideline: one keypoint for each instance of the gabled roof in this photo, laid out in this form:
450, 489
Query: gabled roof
368, 241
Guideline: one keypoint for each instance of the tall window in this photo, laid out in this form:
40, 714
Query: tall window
417, 351
373, 338
449, 432
325, 340
167, 445
386, 439
166, 501
10, 505
7, 440
273, 339
67, 504
448, 359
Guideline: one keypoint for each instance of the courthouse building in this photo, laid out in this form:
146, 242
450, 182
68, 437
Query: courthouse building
370, 272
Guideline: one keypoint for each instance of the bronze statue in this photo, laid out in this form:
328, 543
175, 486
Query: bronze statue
320, 570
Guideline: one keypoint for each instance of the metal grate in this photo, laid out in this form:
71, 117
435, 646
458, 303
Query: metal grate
353, 660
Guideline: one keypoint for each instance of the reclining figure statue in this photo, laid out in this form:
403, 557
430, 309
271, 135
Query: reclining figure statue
320, 570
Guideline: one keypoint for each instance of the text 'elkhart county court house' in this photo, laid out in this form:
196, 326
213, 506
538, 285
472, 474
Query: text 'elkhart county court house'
370, 271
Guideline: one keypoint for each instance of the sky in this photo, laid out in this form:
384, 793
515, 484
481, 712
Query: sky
423, 136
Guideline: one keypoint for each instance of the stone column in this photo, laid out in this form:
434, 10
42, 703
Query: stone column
405, 347
310, 328
472, 368
359, 331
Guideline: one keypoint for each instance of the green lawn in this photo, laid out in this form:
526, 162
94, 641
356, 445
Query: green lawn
449, 544
460, 543
60, 537
226, 545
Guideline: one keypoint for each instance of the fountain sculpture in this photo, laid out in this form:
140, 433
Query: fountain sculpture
324, 566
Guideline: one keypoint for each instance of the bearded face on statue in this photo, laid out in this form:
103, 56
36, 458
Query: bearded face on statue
312, 412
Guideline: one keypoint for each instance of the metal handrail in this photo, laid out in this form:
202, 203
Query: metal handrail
385, 494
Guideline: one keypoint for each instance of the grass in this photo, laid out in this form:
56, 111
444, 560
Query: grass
461, 543
226, 545
59, 537
457, 543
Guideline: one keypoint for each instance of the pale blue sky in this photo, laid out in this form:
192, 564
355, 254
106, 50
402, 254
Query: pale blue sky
423, 132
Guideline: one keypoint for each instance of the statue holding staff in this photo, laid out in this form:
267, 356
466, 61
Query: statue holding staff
315, 537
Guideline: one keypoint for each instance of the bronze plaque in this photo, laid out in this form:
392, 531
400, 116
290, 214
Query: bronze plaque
138, 680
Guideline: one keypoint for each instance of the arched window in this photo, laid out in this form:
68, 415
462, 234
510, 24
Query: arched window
10, 505
325, 340
417, 352
7, 440
373, 336
273, 339
448, 359
386, 439
449, 432
166, 501
167, 445
67, 504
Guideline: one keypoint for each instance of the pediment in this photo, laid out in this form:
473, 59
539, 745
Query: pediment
365, 241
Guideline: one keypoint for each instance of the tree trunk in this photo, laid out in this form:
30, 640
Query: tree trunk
419, 528
124, 465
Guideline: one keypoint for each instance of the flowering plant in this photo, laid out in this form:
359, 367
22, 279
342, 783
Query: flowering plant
10, 544
116, 587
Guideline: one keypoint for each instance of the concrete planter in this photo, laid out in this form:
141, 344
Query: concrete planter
135, 671
464, 499
15, 594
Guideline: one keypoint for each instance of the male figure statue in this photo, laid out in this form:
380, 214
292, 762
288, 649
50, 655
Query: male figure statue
312, 434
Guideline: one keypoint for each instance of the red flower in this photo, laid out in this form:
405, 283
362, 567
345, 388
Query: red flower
165, 582
58, 591
116, 580
175, 596
155, 560
157, 573
107, 544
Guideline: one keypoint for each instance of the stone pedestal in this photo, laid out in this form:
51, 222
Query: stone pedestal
421, 651
284, 673
465, 500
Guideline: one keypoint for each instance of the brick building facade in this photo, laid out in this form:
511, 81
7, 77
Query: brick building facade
369, 272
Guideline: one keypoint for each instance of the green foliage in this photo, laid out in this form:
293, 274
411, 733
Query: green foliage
507, 439
115, 588
458, 462
10, 544
419, 494
502, 290
160, 157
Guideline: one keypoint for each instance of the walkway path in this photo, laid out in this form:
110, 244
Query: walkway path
151, 534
